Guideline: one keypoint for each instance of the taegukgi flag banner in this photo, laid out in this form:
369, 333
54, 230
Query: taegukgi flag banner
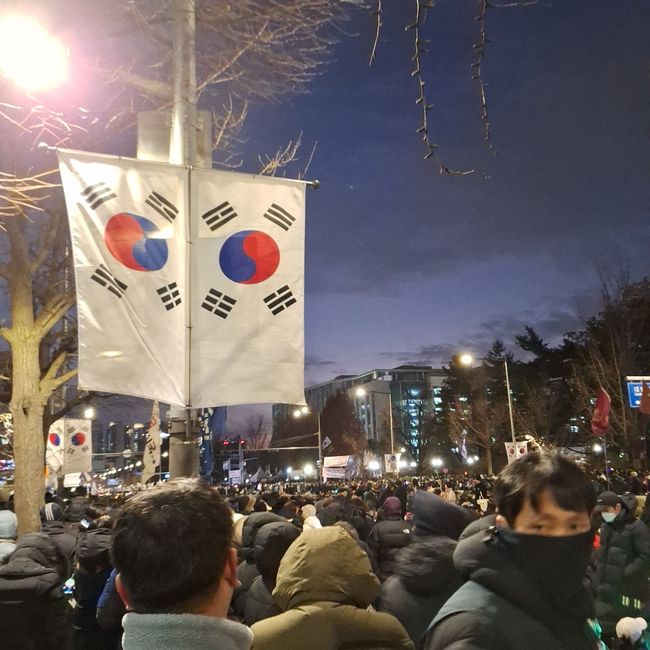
127, 225
151, 456
189, 299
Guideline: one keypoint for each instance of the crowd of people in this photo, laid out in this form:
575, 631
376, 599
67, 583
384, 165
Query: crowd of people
543, 556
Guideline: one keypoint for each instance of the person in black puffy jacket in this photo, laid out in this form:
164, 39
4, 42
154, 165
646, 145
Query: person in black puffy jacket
52, 524
34, 612
623, 564
91, 573
271, 543
425, 576
388, 536
247, 571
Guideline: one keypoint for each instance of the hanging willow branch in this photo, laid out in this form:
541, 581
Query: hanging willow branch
378, 14
421, 7
479, 49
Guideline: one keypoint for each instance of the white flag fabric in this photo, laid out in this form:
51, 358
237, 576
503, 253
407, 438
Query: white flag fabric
127, 224
54, 448
77, 442
151, 457
248, 289
515, 451
203, 311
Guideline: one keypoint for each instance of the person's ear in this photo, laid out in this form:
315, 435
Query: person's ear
502, 521
230, 570
121, 590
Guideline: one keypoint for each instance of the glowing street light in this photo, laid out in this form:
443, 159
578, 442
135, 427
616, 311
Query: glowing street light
436, 462
89, 413
29, 56
597, 448
467, 359
373, 465
308, 469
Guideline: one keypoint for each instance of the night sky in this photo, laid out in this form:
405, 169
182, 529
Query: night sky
405, 265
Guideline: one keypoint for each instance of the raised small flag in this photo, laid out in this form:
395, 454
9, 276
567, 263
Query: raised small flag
600, 417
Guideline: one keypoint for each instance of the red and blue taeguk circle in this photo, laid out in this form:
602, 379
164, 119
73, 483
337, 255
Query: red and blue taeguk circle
249, 257
78, 439
135, 242
54, 439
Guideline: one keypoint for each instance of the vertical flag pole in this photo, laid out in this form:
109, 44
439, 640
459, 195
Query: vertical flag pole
606, 463
182, 151
512, 423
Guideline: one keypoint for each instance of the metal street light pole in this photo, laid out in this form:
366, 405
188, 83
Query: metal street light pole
184, 456
298, 413
512, 423
467, 359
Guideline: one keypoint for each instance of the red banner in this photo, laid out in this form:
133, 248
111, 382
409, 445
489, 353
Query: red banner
644, 406
600, 417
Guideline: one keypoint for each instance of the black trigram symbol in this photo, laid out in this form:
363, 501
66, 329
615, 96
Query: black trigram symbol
104, 277
170, 296
279, 216
162, 206
218, 303
279, 300
95, 195
219, 216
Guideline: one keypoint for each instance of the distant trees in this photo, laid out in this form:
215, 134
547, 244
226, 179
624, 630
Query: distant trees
553, 388
340, 424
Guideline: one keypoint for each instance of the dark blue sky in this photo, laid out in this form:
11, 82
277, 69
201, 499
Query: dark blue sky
404, 264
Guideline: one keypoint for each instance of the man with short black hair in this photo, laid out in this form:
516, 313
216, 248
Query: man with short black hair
172, 549
525, 577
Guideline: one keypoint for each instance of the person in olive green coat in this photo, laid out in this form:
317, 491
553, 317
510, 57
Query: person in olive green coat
324, 588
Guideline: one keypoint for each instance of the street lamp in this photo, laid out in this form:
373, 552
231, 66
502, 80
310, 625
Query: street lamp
597, 448
436, 462
29, 56
89, 413
362, 392
467, 359
298, 413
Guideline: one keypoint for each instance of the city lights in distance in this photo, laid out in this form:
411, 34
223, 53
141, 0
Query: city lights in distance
29, 56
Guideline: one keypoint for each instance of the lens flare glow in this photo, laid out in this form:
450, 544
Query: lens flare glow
29, 56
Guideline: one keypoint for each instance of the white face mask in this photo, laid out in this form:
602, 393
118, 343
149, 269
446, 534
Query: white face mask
608, 517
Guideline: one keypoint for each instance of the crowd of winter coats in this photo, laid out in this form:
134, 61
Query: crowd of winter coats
56, 586
378, 571
373, 569
412, 562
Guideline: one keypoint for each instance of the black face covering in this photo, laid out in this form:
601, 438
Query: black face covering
557, 566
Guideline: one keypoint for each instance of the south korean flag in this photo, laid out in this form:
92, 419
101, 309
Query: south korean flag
247, 341
127, 222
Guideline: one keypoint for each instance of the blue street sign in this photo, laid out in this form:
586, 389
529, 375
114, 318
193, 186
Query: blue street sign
634, 392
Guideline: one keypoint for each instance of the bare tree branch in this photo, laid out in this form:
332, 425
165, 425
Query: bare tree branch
378, 14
